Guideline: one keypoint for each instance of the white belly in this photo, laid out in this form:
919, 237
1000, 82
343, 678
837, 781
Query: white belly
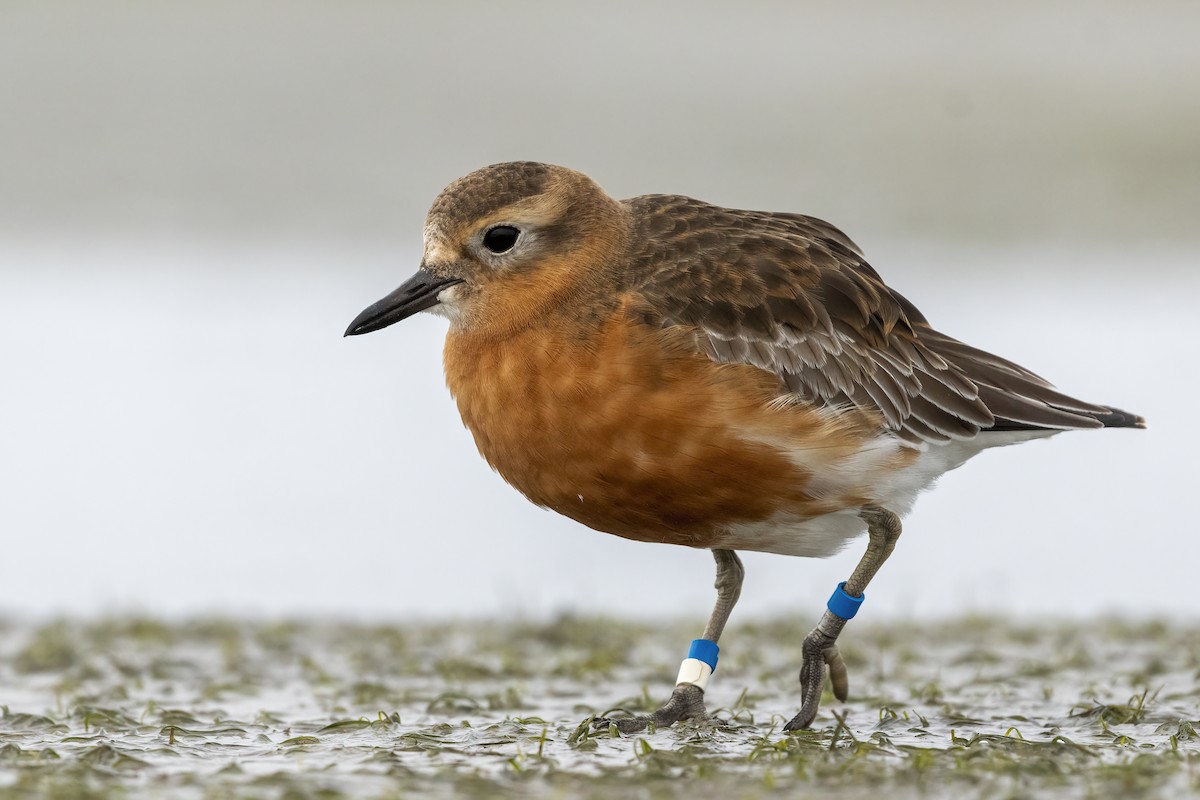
895, 490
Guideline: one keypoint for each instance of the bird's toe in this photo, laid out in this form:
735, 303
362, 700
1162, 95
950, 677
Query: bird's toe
687, 702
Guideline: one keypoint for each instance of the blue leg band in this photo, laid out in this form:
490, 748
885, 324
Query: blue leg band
842, 604
704, 650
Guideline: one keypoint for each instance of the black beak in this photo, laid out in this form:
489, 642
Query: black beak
416, 294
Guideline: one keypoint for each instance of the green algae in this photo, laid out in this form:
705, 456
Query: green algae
222, 708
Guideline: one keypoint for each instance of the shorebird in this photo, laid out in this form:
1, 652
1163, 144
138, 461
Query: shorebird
667, 370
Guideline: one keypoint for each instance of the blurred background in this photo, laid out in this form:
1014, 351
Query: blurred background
196, 198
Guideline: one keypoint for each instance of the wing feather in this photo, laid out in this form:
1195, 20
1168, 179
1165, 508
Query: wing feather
792, 294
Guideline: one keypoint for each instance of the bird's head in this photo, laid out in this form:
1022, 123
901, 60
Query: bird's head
503, 243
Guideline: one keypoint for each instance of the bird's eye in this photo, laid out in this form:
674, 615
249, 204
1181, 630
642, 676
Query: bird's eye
501, 238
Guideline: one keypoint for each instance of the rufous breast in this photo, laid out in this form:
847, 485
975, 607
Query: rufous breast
629, 430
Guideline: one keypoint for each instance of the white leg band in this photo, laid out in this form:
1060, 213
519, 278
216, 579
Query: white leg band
695, 672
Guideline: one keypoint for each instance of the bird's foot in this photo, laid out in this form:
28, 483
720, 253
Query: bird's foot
687, 702
819, 649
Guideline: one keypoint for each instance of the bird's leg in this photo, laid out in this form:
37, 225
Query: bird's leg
687, 701
820, 648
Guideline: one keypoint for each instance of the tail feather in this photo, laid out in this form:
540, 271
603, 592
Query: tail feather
1116, 418
1021, 400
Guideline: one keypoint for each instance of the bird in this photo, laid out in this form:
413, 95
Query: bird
672, 371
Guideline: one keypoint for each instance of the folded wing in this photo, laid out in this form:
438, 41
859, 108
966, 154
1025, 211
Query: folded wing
792, 294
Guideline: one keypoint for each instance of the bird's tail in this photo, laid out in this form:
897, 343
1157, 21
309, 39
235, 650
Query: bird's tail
1021, 400
1116, 418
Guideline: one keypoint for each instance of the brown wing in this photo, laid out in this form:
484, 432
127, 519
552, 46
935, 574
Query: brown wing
793, 295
